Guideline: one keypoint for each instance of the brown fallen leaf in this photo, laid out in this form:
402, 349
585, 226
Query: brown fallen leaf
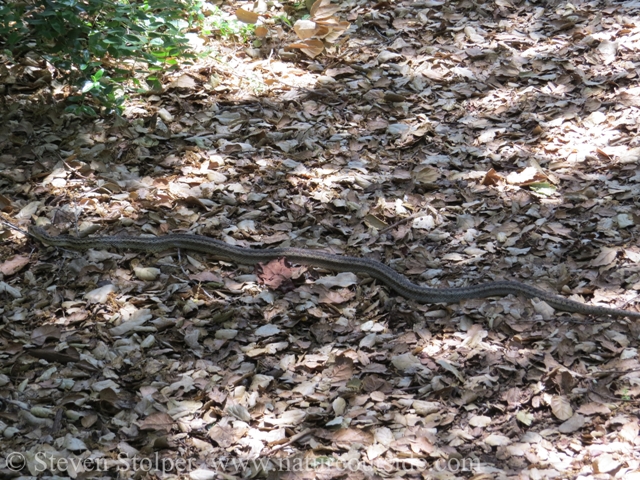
246, 16
343, 370
593, 408
13, 265
561, 407
334, 297
184, 81
222, 435
606, 256
41, 334
323, 9
311, 47
348, 436
277, 273
206, 276
605, 463
629, 431
159, 421
576, 422
492, 178
526, 177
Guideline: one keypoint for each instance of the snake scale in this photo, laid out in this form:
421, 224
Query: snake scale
392, 279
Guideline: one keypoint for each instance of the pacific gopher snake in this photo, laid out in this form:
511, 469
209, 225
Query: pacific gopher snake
375, 269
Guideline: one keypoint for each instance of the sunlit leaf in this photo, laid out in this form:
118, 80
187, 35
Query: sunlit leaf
247, 17
323, 9
312, 47
305, 29
543, 188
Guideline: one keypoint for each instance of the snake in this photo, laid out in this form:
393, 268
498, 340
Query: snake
317, 258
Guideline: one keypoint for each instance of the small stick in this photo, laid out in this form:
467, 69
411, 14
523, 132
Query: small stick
10, 225
400, 222
293, 439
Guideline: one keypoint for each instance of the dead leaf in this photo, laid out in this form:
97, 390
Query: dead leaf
41, 334
311, 47
425, 174
606, 257
525, 417
576, 422
496, 440
594, 409
222, 435
305, 29
492, 178
13, 265
323, 9
185, 82
158, 421
605, 463
239, 411
277, 273
561, 407
629, 431
630, 97
288, 418
343, 370
631, 155
247, 17
526, 177
348, 436
480, 421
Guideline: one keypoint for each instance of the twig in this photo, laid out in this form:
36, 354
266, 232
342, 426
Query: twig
180, 263
10, 225
293, 439
611, 397
401, 221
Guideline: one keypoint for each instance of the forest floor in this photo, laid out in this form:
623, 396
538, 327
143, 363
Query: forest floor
458, 142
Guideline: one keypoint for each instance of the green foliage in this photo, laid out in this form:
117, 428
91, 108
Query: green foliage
218, 23
283, 18
103, 89
86, 38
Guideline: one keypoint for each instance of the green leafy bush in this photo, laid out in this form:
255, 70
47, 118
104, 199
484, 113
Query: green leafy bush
84, 39
226, 26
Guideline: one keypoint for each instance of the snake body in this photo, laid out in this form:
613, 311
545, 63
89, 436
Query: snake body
394, 280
